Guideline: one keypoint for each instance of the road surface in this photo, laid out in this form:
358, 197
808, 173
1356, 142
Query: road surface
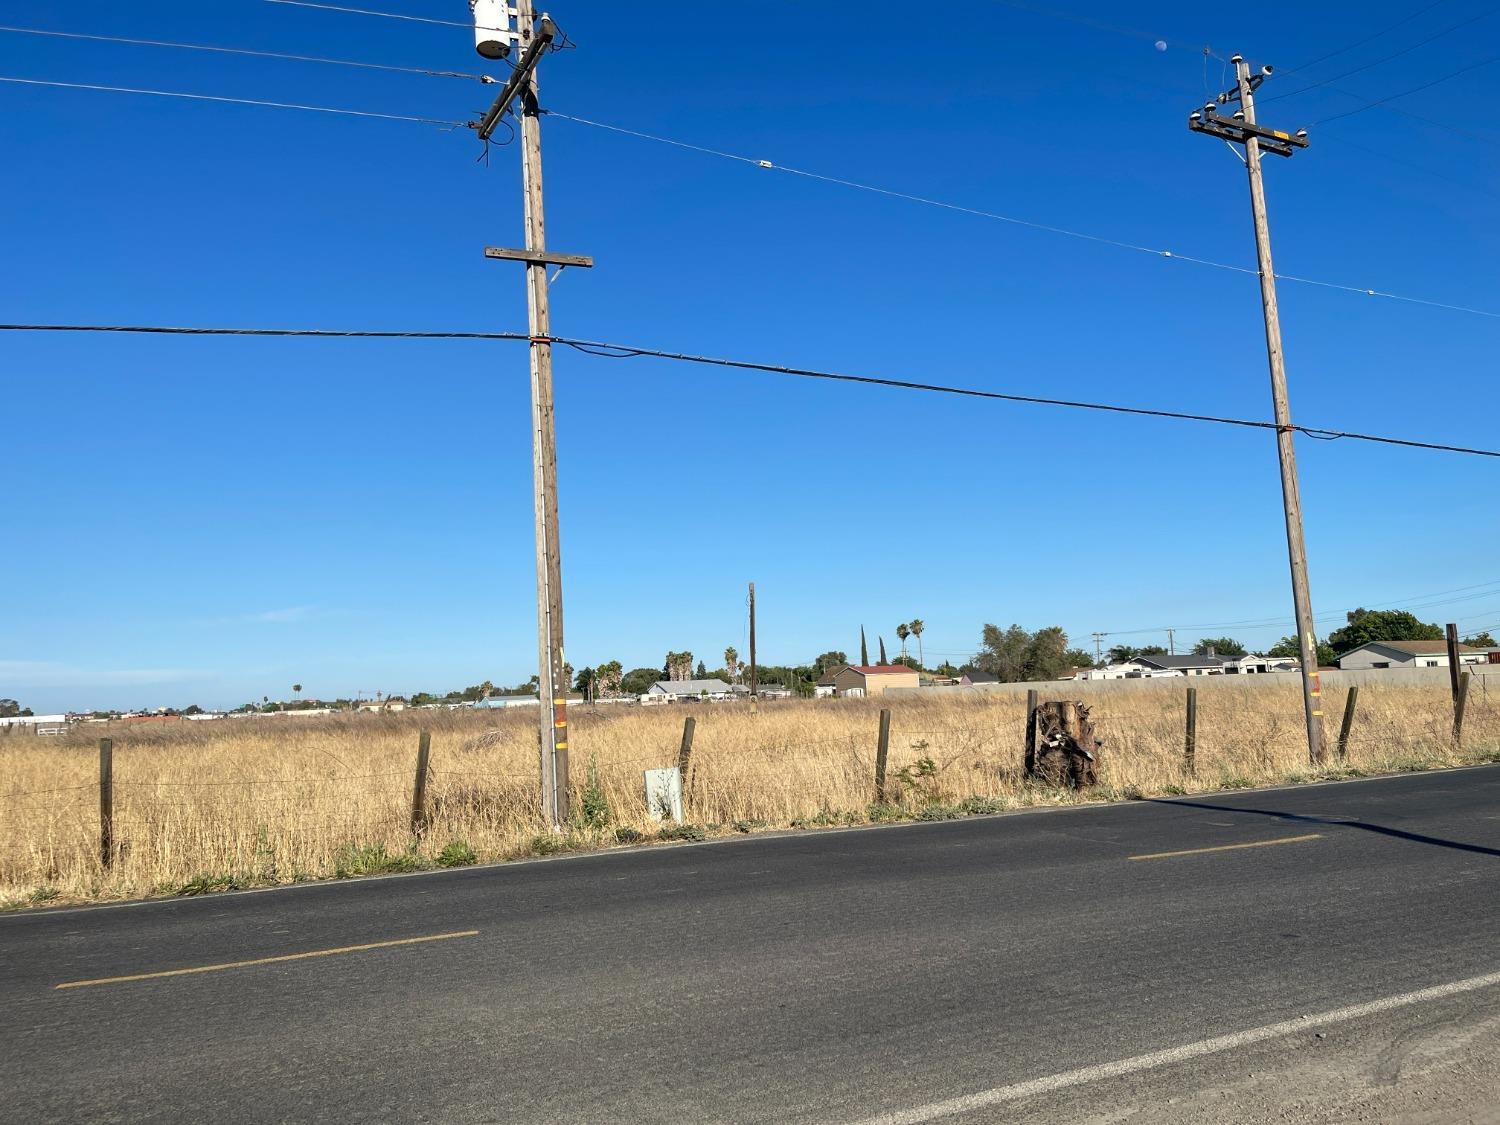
1327, 952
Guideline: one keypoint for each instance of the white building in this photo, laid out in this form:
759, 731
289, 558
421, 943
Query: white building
1409, 654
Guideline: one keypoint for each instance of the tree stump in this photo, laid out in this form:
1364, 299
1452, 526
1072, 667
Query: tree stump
1061, 746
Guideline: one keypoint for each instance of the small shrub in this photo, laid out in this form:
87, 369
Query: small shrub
593, 803
981, 806
748, 825
940, 812
628, 835
880, 814
682, 832
1235, 783
43, 894
545, 843
456, 853
202, 884
1174, 790
373, 859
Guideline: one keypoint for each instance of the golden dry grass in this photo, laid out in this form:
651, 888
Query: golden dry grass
257, 801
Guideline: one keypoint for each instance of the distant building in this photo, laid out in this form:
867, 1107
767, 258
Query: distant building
1409, 654
498, 702
825, 685
969, 679
873, 679
1190, 665
675, 691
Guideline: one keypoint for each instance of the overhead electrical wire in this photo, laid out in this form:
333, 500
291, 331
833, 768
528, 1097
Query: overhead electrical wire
608, 350
245, 51
385, 15
1014, 221
1367, 39
1407, 93
233, 101
1383, 59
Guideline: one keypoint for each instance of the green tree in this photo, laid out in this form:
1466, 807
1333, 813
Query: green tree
1221, 646
831, 659
902, 632
638, 681
10, 709
1366, 625
584, 683
732, 664
1119, 654
1079, 658
1288, 648
702, 672
882, 651
916, 628
1480, 640
864, 651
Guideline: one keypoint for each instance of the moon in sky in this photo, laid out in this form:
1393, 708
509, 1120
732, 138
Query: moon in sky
1161, 44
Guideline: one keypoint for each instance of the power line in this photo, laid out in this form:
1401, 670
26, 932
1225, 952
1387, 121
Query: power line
1384, 59
1014, 221
606, 350
386, 15
246, 51
232, 101
1367, 39
1406, 93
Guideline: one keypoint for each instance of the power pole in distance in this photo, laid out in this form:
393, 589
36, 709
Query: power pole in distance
533, 36
1241, 128
1099, 647
1171, 642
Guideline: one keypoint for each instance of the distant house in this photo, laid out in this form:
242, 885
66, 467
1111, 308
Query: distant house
500, 702
1189, 665
1253, 665
969, 679
872, 679
825, 685
675, 691
1408, 654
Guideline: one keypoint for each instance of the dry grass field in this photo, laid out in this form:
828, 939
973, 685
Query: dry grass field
257, 801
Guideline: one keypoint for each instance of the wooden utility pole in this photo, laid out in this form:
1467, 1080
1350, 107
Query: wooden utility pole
1452, 636
533, 37
1243, 129
106, 802
754, 681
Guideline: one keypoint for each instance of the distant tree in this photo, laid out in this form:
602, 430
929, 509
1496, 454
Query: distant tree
296, 690
1119, 654
1002, 652
607, 677
864, 652
9, 709
1079, 658
638, 681
916, 628
909, 661
192, 709
585, 682
1047, 656
732, 663
831, 659
1480, 640
945, 669
1288, 648
1220, 646
882, 651
902, 632
1152, 650
702, 672
1366, 625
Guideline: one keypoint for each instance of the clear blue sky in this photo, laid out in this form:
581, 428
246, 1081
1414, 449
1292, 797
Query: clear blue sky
211, 520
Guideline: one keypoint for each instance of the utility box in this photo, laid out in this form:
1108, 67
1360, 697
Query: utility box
664, 794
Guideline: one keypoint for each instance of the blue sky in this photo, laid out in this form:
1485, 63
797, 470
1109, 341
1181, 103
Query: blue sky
211, 520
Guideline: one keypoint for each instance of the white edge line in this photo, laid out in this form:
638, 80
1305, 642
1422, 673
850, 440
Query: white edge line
329, 883
1121, 1067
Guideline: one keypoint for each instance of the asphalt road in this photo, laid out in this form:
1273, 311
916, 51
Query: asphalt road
1022, 967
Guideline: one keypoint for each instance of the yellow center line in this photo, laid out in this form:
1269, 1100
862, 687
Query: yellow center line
269, 960
1232, 847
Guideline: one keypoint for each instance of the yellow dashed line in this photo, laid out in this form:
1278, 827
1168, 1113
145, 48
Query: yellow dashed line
268, 960
1231, 847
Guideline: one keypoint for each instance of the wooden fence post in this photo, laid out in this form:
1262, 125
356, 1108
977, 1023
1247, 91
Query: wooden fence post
1451, 632
106, 801
1348, 723
419, 787
1190, 741
1459, 706
1031, 705
685, 751
882, 751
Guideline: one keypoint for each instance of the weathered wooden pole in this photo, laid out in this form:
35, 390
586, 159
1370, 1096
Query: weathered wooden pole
685, 751
1348, 723
882, 751
1190, 740
419, 787
106, 802
1459, 706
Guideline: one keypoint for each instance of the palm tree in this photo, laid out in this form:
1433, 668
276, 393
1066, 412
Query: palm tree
902, 632
732, 663
916, 628
296, 690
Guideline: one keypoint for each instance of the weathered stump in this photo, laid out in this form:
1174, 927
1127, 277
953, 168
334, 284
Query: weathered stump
1061, 746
